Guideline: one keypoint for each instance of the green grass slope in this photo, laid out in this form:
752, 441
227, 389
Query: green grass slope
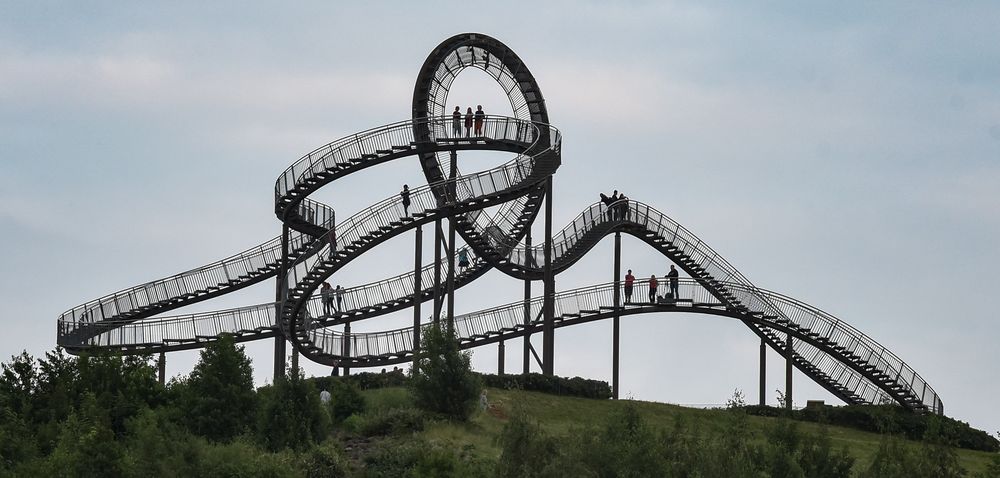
562, 415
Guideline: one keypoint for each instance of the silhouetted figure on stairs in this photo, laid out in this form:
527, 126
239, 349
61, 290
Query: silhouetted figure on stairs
652, 288
480, 119
405, 194
629, 281
326, 292
674, 280
456, 123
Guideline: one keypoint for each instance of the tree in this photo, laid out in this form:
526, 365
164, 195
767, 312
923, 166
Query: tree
443, 381
218, 397
291, 415
18, 381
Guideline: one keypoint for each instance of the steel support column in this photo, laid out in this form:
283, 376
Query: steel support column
295, 361
437, 271
763, 371
451, 244
789, 350
548, 328
617, 317
347, 346
161, 368
280, 288
417, 264
527, 305
500, 358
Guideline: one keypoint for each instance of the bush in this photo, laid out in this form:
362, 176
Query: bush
891, 419
325, 462
575, 387
388, 422
443, 381
291, 415
419, 459
345, 400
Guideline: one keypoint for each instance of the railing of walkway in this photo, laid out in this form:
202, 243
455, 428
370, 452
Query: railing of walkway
251, 263
387, 214
858, 348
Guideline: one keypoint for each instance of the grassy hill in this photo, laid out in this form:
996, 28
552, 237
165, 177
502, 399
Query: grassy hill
561, 415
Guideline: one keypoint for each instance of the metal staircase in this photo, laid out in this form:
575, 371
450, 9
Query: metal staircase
840, 358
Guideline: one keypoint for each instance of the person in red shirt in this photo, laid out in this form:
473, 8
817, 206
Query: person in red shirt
652, 289
629, 280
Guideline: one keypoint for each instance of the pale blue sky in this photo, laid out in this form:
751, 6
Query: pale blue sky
845, 154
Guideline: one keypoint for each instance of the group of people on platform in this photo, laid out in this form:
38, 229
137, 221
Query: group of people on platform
328, 293
672, 281
472, 120
617, 206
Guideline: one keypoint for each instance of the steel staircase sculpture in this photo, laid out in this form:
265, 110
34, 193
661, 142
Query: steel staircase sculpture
840, 358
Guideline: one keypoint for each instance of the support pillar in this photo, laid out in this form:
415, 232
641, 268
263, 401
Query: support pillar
280, 289
500, 358
763, 371
788, 372
548, 327
527, 305
615, 327
417, 288
437, 271
347, 346
161, 368
452, 186
295, 361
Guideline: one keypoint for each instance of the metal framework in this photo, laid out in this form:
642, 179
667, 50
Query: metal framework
314, 245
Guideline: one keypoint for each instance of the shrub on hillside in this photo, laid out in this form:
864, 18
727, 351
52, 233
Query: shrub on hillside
443, 381
291, 415
536, 382
892, 419
345, 400
387, 422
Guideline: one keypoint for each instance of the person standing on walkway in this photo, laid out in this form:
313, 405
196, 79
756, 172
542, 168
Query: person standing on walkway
673, 277
652, 288
612, 206
405, 194
340, 298
622, 207
480, 119
468, 122
629, 281
463, 260
607, 205
326, 292
456, 123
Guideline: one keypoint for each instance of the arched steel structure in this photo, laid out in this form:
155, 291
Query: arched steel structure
843, 360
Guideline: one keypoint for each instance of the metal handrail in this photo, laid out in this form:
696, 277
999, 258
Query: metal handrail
493, 321
389, 213
189, 283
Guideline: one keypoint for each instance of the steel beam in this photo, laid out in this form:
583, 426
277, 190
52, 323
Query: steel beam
789, 351
451, 245
280, 288
527, 307
763, 371
161, 368
500, 358
615, 325
417, 263
548, 327
347, 346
